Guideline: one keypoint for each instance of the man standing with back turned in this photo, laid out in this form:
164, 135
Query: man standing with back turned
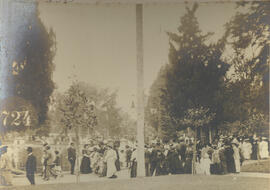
30, 166
72, 157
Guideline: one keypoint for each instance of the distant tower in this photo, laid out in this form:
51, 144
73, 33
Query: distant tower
132, 105
132, 110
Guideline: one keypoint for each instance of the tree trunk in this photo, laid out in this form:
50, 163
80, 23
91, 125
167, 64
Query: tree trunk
77, 131
194, 153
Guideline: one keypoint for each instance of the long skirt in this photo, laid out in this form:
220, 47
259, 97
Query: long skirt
133, 169
153, 166
5, 178
85, 165
147, 169
188, 166
223, 167
215, 168
117, 165
230, 165
205, 166
175, 166
111, 169
104, 170
237, 165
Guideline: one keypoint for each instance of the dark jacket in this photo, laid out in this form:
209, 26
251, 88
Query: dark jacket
31, 164
71, 153
57, 161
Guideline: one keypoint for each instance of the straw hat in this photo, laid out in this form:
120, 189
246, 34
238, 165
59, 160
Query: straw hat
2, 145
3, 149
234, 141
110, 144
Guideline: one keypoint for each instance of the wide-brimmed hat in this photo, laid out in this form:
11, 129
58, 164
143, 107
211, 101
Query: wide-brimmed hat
110, 144
45, 144
234, 141
2, 145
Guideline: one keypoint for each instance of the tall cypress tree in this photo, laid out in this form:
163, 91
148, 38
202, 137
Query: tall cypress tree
196, 71
29, 76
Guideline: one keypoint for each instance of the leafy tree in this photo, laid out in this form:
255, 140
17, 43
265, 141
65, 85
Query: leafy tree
44, 130
195, 74
77, 114
77, 110
106, 120
247, 91
249, 34
154, 106
110, 116
128, 126
255, 124
197, 117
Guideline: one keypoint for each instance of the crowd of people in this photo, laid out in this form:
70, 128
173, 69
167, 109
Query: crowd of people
224, 155
104, 158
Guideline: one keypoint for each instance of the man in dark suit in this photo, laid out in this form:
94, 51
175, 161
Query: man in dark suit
72, 157
30, 166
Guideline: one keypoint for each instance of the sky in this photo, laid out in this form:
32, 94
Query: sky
97, 43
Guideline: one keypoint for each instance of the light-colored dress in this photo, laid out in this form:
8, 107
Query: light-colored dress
247, 150
110, 158
205, 164
236, 156
122, 158
5, 170
263, 149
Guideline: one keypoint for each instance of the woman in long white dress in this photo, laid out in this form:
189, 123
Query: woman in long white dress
205, 161
246, 149
263, 149
236, 156
110, 159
